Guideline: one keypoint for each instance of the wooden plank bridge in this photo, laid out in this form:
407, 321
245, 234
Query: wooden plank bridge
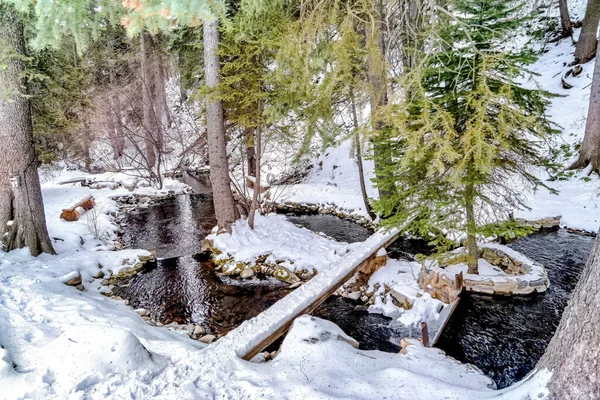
254, 335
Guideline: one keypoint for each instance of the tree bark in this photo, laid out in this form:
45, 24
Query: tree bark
472, 253
588, 39
250, 151
20, 192
565, 19
589, 153
573, 355
361, 173
215, 125
378, 99
257, 188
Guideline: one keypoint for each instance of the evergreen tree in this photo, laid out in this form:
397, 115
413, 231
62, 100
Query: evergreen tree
467, 131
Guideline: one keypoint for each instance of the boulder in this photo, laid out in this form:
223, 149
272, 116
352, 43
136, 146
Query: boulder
198, 330
285, 275
73, 279
207, 339
247, 273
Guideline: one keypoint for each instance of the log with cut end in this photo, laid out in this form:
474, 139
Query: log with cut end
71, 214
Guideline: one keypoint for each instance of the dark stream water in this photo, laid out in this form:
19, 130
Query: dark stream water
504, 337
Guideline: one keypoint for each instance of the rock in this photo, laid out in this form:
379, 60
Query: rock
99, 275
364, 299
207, 339
190, 329
285, 275
206, 245
159, 324
80, 287
273, 354
73, 279
354, 296
198, 330
247, 273
142, 312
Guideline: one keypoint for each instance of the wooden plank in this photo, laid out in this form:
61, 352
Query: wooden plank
424, 334
253, 336
447, 314
286, 326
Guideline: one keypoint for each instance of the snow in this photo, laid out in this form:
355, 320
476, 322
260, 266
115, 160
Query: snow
400, 278
295, 248
333, 182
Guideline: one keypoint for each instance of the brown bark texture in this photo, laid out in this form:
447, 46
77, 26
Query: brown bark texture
565, 19
573, 355
20, 192
588, 39
472, 253
215, 125
589, 153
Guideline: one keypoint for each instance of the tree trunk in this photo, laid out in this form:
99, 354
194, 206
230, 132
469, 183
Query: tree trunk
215, 125
20, 192
573, 355
588, 39
361, 173
257, 188
565, 19
149, 124
378, 98
472, 253
250, 151
161, 81
589, 153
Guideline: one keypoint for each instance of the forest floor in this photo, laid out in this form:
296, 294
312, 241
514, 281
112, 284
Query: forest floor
59, 342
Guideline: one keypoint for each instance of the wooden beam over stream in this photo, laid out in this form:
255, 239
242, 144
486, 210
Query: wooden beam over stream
254, 335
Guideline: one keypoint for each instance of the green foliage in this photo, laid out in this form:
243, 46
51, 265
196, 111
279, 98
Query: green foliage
81, 20
60, 98
466, 124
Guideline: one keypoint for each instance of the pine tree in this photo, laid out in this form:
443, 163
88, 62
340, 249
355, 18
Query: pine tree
467, 130
22, 217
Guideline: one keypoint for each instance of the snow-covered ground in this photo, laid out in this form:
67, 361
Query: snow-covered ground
60, 343
333, 182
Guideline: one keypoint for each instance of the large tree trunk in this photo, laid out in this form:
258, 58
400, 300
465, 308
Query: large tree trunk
20, 193
573, 355
472, 253
377, 73
565, 19
588, 39
215, 125
589, 153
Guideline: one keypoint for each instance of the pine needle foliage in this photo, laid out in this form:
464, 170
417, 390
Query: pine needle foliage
468, 135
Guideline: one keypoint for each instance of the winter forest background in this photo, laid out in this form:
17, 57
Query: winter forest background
454, 128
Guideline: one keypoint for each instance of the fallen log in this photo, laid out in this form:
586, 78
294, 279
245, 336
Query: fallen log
71, 214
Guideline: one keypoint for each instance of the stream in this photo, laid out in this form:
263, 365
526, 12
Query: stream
503, 336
